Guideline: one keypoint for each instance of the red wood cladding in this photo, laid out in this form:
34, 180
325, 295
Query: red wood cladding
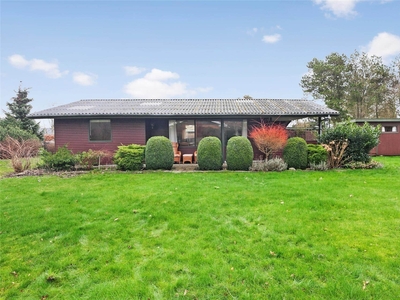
75, 134
389, 142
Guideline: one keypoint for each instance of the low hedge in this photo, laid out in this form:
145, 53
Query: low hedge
130, 157
62, 160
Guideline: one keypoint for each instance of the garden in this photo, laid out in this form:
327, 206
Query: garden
330, 229
202, 235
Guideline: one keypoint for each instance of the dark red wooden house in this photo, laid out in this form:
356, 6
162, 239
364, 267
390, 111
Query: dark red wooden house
106, 124
389, 141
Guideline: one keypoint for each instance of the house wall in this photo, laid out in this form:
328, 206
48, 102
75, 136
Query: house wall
75, 134
389, 142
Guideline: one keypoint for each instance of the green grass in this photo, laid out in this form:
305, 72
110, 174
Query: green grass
215, 235
5, 167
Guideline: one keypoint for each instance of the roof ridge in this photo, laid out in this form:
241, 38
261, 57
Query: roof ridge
191, 99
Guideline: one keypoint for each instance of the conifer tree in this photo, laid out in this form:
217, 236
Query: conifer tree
19, 109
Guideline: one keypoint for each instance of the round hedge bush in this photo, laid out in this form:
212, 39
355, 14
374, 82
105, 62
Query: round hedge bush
239, 153
295, 153
209, 153
316, 154
159, 153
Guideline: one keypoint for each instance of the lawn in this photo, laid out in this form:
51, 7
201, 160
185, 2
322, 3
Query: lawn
5, 167
213, 235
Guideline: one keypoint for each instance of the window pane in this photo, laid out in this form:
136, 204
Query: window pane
100, 130
232, 128
208, 128
185, 132
389, 129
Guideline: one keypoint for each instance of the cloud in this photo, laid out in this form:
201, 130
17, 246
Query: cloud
252, 31
160, 84
340, 8
84, 79
18, 61
271, 39
159, 75
133, 70
384, 44
50, 69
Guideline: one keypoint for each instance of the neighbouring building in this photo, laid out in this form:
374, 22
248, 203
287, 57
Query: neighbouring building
389, 141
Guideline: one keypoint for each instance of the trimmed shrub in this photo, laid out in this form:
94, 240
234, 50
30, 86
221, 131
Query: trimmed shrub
130, 157
209, 153
316, 154
239, 153
295, 153
159, 153
62, 160
275, 164
360, 139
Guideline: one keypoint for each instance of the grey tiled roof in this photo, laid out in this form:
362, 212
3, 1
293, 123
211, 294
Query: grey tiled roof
186, 107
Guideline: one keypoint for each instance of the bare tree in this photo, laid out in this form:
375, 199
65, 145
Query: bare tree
20, 152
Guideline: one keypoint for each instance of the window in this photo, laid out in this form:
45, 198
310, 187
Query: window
100, 130
185, 132
389, 129
190, 132
232, 128
206, 128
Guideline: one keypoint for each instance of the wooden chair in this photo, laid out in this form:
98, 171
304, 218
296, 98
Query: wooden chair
195, 157
177, 153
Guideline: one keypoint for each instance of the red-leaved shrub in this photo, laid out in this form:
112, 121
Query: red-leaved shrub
268, 138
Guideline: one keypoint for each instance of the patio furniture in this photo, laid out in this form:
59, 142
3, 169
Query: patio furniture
187, 158
177, 153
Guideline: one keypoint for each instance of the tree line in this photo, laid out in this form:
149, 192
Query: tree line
359, 86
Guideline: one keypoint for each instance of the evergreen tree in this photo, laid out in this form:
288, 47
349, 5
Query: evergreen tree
19, 110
